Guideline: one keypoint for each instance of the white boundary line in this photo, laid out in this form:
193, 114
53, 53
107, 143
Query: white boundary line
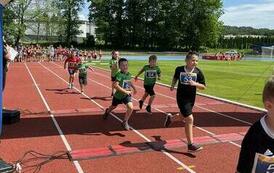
61, 134
221, 114
134, 130
202, 129
209, 96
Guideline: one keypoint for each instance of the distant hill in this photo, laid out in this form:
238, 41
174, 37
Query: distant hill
234, 30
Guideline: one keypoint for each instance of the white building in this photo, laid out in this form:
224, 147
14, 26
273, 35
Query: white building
46, 31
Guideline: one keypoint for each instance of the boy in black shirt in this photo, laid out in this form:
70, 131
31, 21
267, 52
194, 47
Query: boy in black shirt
190, 77
257, 151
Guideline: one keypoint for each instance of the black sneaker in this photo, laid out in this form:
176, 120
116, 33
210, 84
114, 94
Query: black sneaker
105, 115
148, 108
168, 120
141, 102
194, 148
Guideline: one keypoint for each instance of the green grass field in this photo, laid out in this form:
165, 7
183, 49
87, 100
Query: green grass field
240, 81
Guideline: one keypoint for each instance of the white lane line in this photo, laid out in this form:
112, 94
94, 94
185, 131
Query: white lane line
61, 134
221, 114
134, 130
200, 128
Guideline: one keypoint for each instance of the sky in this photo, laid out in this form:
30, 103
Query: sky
254, 13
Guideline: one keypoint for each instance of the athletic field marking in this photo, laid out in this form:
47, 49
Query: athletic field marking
137, 132
202, 129
61, 134
209, 96
221, 114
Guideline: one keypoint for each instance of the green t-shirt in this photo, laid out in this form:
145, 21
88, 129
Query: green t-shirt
150, 74
111, 62
124, 80
83, 69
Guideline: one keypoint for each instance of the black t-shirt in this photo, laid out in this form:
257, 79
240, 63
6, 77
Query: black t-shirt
184, 89
257, 151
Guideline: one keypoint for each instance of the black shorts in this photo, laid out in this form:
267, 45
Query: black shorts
185, 105
83, 80
71, 71
124, 100
113, 79
149, 89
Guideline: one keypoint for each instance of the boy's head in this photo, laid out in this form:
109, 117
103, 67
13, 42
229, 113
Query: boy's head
70, 55
268, 95
123, 64
152, 60
115, 54
192, 59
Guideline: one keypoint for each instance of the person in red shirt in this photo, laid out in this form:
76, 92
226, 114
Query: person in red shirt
72, 61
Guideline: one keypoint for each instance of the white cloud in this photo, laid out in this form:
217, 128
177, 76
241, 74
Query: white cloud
254, 15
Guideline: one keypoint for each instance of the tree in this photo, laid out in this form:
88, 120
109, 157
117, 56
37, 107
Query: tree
14, 19
69, 10
160, 24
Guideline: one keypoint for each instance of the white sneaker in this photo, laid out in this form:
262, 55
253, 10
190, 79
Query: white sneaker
125, 125
168, 119
69, 86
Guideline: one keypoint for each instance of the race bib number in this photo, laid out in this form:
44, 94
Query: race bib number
186, 77
82, 70
72, 64
263, 164
151, 73
126, 84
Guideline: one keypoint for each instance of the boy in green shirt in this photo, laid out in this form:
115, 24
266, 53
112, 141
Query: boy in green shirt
123, 85
82, 68
151, 72
113, 67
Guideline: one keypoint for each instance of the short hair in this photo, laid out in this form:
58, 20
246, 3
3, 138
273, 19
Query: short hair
122, 60
191, 54
152, 58
112, 53
70, 55
268, 92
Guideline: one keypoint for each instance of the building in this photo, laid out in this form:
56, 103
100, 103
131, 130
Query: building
49, 31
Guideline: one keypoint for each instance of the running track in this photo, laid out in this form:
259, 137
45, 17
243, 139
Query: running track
57, 119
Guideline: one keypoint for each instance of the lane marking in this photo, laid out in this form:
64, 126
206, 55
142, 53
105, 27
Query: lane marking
61, 134
134, 130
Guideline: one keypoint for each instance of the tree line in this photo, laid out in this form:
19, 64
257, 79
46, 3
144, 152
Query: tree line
131, 24
53, 17
157, 24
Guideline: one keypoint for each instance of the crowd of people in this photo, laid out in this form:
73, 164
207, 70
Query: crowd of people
38, 53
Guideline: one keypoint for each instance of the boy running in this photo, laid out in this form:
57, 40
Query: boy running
82, 68
113, 67
257, 151
151, 73
72, 61
190, 78
123, 85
